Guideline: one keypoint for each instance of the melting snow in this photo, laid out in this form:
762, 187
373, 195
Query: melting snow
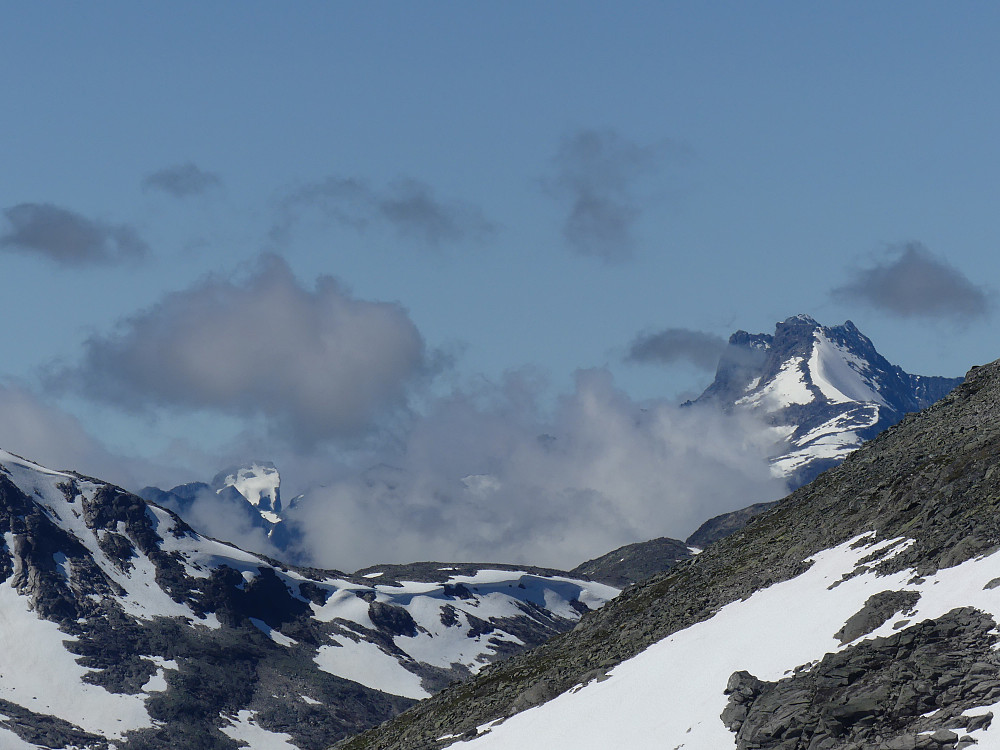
158, 682
10, 741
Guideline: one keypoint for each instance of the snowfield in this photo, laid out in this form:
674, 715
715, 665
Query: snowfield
671, 695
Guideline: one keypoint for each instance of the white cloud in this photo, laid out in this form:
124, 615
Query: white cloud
493, 479
316, 364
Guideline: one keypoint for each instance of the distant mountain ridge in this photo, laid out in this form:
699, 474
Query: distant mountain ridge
825, 390
123, 627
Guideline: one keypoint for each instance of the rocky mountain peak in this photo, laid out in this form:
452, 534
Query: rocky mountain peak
257, 481
824, 390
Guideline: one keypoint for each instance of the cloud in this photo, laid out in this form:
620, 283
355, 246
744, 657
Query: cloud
182, 180
913, 282
409, 207
67, 237
595, 171
491, 476
316, 364
42, 432
233, 520
677, 345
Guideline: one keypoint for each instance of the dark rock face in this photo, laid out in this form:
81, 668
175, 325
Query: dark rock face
895, 692
392, 619
877, 610
933, 478
634, 562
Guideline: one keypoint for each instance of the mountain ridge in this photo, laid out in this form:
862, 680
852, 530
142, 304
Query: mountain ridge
125, 627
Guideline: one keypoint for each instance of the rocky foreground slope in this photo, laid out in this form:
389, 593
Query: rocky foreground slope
860, 612
121, 627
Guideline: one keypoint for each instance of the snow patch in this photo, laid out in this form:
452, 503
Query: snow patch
841, 375
367, 664
787, 388
36, 671
278, 637
243, 729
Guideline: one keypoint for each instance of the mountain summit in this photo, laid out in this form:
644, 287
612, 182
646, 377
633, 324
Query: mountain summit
825, 390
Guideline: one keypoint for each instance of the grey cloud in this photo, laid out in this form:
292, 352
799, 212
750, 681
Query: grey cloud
182, 180
916, 283
408, 207
677, 345
38, 430
223, 518
596, 172
67, 237
315, 364
494, 475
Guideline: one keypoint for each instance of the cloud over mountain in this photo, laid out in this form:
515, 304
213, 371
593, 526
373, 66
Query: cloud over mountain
493, 475
67, 237
913, 282
182, 180
317, 364
673, 345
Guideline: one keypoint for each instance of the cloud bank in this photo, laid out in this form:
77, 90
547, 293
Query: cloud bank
489, 476
408, 207
67, 237
673, 345
316, 364
916, 283
182, 180
39, 431
595, 172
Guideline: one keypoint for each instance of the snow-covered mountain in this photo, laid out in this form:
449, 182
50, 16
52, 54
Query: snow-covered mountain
252, 491
121, 624
259, 483
859, 613
825, 390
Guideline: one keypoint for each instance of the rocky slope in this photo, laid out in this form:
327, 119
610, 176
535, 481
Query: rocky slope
635, 562
860, 612
120, 626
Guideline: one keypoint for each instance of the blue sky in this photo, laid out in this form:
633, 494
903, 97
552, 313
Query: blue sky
508, 188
